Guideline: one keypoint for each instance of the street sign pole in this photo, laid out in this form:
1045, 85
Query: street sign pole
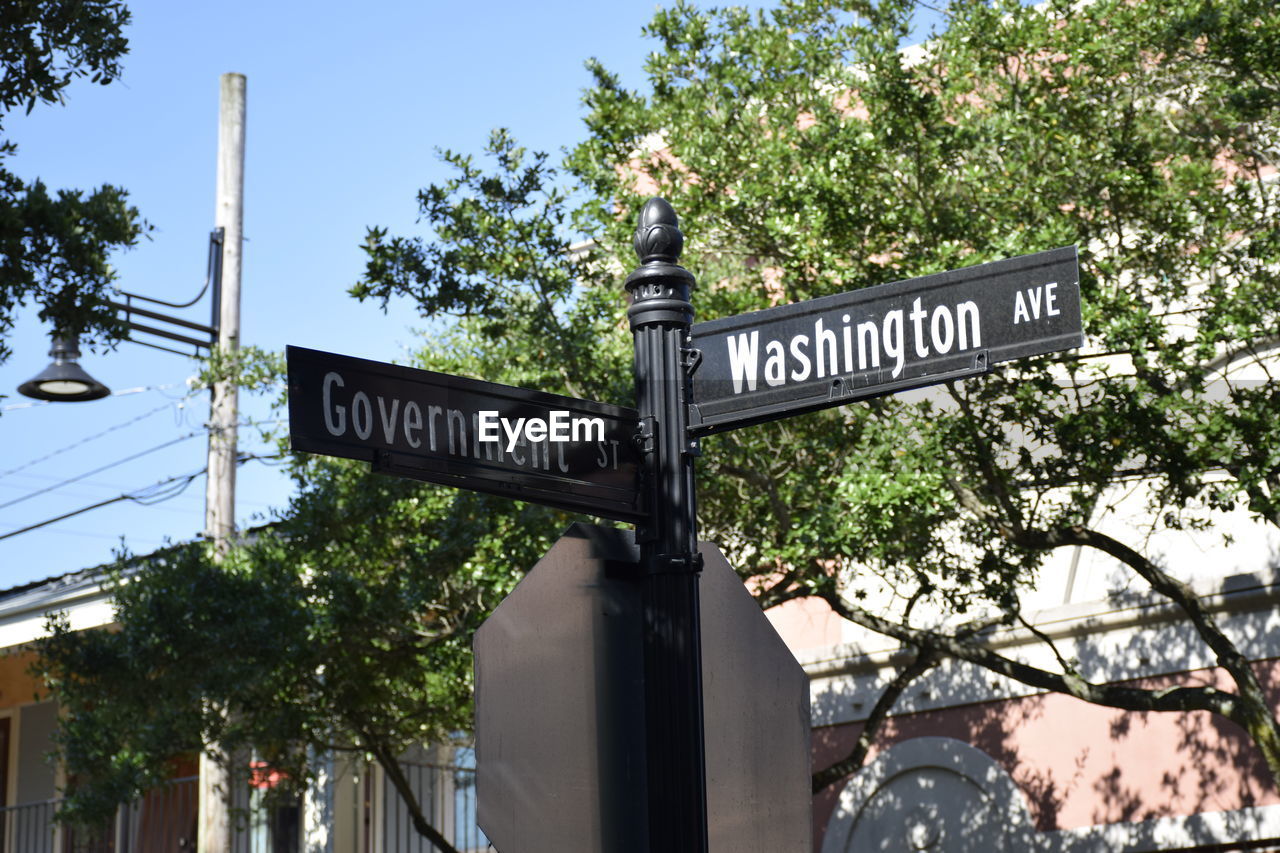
661, 316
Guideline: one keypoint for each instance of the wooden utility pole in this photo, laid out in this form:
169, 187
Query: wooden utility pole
220, 515
221, 483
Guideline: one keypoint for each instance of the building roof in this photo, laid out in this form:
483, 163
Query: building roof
84, 596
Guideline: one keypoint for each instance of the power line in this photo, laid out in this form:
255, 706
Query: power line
97, 488
183, 481
99, 470
112, 485
83, 441
13, 407
162, 491
248, 422
79, 477
133, 540
73, 493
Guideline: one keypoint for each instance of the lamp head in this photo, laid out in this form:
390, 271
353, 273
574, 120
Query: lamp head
64, 380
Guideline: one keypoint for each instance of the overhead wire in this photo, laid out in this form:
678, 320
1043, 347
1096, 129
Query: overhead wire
75, 493
134, 541
96, 488
31, 404
182, 482
100, 469
66, 482
86, 440
179, 400
148, 496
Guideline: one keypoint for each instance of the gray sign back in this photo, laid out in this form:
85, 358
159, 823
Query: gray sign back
560, 734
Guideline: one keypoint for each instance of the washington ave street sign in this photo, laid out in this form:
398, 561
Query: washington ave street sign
530, 445
833, 350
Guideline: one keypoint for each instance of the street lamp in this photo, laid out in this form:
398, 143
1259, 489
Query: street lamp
64, 380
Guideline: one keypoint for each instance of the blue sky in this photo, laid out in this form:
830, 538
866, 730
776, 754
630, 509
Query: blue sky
345, 112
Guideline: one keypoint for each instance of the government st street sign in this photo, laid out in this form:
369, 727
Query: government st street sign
546, 448
833, 350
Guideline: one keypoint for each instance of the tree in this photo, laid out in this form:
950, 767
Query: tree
55, 245
287, 648
808, 154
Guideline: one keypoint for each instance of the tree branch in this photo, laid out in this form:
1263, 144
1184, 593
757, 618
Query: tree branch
391, 766
770, 487
1113, 696
1181, 594
995, 484
1254, 349
924, 661
1251, 709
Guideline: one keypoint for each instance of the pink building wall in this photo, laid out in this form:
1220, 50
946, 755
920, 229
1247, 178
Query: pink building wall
806, 623
1081, 765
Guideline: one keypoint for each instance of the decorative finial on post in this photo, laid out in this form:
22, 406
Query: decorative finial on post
659, 287
658, 236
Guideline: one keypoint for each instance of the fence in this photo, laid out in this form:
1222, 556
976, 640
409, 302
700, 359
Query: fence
165, 820
28, 828
447, 796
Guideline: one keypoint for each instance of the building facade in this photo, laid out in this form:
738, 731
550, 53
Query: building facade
969, 760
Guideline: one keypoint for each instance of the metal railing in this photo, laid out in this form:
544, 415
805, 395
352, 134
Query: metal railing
447, 797
28, 828
164, 819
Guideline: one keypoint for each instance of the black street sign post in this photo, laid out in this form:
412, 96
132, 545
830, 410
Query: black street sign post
636, 466
430, 426
660, 316
834, 350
